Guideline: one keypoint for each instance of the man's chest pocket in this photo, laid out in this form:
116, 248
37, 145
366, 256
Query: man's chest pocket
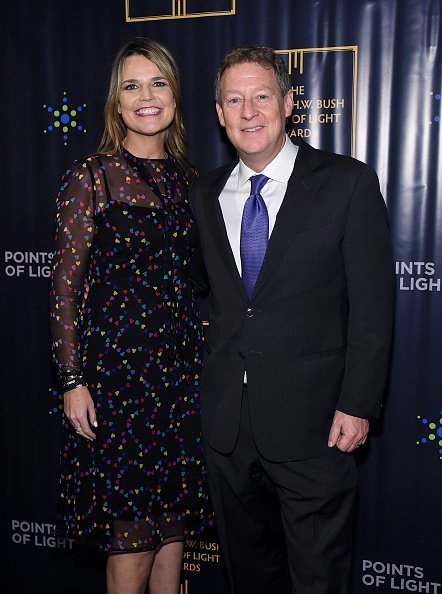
316, 245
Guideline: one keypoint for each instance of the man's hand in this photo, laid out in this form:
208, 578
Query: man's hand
347, 432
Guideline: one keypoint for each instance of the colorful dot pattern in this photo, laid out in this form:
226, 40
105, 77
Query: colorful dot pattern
65, 118
437, 97
122, 308
433, 433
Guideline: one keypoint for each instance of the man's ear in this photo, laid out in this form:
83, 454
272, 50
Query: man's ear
288, 104
219, 111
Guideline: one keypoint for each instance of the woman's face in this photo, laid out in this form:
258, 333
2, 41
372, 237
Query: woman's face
146, 101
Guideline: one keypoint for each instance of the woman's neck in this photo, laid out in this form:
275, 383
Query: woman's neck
147, 147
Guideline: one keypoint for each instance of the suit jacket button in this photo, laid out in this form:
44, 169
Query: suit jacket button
242, 355
249, 312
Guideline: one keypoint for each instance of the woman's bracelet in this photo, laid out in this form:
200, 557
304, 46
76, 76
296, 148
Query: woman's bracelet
69, 379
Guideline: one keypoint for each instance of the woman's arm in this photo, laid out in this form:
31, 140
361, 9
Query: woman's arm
74, 231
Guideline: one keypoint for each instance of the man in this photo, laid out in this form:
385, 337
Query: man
298, 259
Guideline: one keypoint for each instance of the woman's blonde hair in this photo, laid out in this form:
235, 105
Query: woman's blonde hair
115, 130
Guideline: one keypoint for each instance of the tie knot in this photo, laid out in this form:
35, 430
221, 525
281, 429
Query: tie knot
258, 182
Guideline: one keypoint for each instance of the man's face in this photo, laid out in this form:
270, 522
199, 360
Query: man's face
253, 112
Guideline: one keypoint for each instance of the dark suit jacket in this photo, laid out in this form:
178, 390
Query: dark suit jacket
315, 335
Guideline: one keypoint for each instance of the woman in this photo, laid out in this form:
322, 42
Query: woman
128, 354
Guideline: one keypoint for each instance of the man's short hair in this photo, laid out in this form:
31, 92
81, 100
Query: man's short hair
258, 54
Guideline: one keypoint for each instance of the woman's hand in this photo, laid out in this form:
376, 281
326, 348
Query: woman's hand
79, 409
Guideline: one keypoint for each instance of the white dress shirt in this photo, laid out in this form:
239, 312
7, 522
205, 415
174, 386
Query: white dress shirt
237, 189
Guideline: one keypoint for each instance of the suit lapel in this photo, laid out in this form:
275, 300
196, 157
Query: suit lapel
217, 227
302, 188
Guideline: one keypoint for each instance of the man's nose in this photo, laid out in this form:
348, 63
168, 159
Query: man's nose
248, 108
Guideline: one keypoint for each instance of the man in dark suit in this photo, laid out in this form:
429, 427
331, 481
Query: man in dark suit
298, 260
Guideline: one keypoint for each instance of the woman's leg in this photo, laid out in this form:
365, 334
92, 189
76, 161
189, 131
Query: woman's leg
166, 569
128, 573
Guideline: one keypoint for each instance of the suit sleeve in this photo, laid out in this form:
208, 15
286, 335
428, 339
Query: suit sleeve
370, 287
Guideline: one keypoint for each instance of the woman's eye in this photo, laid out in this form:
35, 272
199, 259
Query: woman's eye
159, 83
130, 87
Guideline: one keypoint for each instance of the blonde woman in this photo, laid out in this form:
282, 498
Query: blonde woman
128, 359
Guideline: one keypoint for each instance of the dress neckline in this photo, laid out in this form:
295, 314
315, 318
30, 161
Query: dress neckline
129, 155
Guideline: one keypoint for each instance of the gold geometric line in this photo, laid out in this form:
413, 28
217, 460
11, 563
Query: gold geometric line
297, 55
179, 11
355, 88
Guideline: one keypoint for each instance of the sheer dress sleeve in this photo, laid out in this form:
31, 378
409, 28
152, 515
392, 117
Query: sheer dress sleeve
74, 232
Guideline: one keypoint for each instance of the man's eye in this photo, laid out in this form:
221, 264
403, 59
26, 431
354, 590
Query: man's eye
233, 100
263, 97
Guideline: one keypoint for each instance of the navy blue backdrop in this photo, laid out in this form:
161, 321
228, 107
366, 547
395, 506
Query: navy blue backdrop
367, 77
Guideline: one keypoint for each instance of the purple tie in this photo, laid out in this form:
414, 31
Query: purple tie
254, 233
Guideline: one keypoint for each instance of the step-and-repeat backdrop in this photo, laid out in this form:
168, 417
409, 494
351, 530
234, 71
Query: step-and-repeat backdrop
367, 79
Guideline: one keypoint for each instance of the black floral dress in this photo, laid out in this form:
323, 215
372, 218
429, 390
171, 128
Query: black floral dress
122, 308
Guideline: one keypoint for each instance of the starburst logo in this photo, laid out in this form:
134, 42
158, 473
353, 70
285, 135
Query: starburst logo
65, 118
436, 96
433, 433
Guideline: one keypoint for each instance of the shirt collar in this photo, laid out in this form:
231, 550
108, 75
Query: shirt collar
280, 169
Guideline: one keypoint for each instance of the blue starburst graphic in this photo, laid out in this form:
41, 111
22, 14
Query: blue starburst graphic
436, 96
65, 118
433, 430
